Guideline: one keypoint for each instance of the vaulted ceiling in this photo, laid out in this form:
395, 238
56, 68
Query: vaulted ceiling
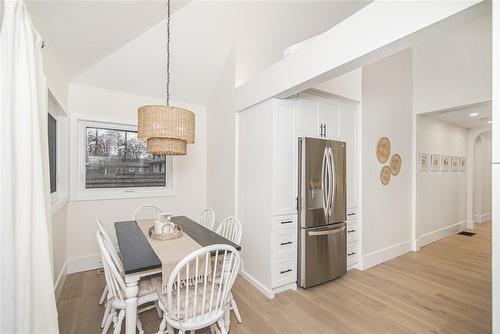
120, 45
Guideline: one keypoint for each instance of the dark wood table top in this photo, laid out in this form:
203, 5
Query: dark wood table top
137, 254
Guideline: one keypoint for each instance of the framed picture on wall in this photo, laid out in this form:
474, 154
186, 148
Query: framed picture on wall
463, 164
435, 162
445, 163
424, 161
455, 161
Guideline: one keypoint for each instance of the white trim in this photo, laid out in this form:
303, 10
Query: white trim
61, 278
479, 219
78, 191
289, 286
83, 263
265, 291
386, 254
440, 233
57, 204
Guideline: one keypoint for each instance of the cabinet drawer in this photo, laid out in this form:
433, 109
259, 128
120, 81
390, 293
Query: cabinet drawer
351, 215
284, 222
283, 271
352, 253
352, 231
284, 243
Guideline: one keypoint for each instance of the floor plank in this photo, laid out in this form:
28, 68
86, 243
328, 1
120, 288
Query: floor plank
443, 288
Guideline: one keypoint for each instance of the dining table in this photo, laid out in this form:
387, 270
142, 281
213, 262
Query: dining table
140, 260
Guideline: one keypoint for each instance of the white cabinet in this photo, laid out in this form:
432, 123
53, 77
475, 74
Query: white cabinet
267, 181
353, 238
284, 157
317, 116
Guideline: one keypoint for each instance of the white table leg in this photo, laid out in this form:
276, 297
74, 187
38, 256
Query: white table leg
131, 292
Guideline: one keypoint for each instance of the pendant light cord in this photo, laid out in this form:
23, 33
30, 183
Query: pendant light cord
168, 52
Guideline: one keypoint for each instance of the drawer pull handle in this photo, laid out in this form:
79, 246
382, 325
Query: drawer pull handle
351, 214
286, 243
350, 231
286, 222
349, 254
285, 271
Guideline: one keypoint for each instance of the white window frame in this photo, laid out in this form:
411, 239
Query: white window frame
81, 193
59, 198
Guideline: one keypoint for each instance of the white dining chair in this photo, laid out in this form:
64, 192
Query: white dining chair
117, 261
115, 257
230, 228
147, 212
116, 290
204, 302
207, 218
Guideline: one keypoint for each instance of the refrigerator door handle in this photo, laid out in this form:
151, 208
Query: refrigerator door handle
332, 179
324, 172
327, 232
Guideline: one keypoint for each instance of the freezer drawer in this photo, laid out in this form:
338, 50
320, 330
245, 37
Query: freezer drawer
323, 254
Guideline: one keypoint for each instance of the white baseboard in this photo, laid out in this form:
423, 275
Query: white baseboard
61, 278
479, 219
265, 291
289, 286
440, 233
84, 263
386, 254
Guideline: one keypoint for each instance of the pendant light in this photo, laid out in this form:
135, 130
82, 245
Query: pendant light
166, 129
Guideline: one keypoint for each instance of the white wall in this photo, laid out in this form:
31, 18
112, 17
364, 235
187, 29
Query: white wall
189, 172
454, 69
346, 85
59, 247
221, 147
387, 111
441, 196
482, 178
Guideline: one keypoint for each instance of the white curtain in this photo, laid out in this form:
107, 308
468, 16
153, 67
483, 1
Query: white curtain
27, 292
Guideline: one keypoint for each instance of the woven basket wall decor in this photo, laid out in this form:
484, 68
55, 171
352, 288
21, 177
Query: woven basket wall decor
395, 164
383, 150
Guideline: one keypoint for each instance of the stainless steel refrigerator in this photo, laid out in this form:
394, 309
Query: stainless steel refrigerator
322, 211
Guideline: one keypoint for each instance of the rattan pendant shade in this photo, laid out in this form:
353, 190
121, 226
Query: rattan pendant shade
167, 130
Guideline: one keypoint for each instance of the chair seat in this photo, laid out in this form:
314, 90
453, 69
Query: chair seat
179, 314
149, 285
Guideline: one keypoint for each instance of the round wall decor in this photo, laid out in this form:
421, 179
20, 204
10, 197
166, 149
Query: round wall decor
385, 175
383, 149
395, 164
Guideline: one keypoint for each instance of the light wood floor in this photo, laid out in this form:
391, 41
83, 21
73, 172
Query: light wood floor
444, 288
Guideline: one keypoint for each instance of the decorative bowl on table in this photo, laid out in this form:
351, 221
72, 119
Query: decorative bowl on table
164, 229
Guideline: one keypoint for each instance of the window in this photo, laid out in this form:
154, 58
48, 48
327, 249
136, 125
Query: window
114, 163
52, 132
118, 159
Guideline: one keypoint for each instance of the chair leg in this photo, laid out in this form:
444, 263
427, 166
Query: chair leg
118, 325
109, 319
139, 325
163, 326
170, 329
222, 326
104, 294
158, 310
105, 315
234, 307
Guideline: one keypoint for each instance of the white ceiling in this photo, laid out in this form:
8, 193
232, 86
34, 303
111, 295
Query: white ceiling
120, 45
462, 116
83, 32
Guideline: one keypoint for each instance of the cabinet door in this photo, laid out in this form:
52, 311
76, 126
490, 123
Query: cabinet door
284, 160
307, 117
328, 115
348, 133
